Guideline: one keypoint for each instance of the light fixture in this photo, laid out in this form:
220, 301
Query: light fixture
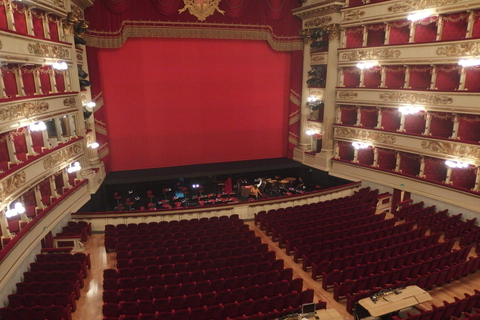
410, 109
38, 126
367, 64
195, 185
17, 209
456, 164
94, 145
60, 65
90, 105
469, 62
74, 167
360, 145
419, 15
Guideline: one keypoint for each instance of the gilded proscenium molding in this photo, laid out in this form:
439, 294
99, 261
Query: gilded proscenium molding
371, 54
315, 126
410, 5
374, 136
353, 15
416, 98
459, 49
452, 149
23, 110
317, 11
70, 102
62, 156
347, 95
333, 31
318, 22
201, 9
48, 50
319, 58
12, 183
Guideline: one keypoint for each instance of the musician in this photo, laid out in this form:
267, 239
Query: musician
254, 192
300, 186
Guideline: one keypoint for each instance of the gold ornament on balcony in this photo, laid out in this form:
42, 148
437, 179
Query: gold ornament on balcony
201, 8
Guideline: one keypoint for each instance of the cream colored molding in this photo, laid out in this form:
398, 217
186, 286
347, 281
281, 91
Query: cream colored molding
83, 3
48, 50
317, 10
366, 135
315, 126
318, 58
347, 95
416, 98
411, 5
64, 155
12, 184
460, 49
353, 15
70, 102
318, 22
23, 110
453, 149
371, 54
57, 7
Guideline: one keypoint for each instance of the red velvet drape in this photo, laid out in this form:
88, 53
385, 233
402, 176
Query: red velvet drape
426, 30
376, 35
441, 124
28, 80
469, 128
463, 177
45, 83
435, 169
372, 77
415, 123
365, 156
37, 20
351, 77
390, 119
399, 32
394, 76
420, 77
3, 16
386, 159
409, 163
448, 77
354, 37
19, 17
369, 117
454, 26
9, 81
348, 115
472, 79
345, 151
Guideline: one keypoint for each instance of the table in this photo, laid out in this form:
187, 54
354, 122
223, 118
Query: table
245, 191
324, 314
390, 302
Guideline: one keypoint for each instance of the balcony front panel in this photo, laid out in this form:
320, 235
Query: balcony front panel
455, 101
423, 145
57, 7
398, 9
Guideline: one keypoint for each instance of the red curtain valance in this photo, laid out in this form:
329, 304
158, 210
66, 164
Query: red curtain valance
455, 17
394, 69
116, 6
274, 8
441, 115
376, 27
448, 68
234, 8
427, 21
167, 7
421, 68
399, 24
354, 30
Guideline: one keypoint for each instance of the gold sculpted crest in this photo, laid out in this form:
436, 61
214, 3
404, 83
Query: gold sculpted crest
347, 95
373, 54
460, 49
62, 156
453, 149
23, 110
413, 98
12, 183
201, 8
364, 135
47, 50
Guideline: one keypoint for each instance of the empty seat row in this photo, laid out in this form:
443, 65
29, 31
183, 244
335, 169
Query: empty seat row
53, 312
31, 300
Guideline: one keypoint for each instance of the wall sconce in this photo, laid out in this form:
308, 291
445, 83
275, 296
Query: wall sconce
367, 64
469, 62
361, 145
419, 15
410, 109
94, 145
74, 167
17, 209
90, 105
456, 164
60, 65
38, 126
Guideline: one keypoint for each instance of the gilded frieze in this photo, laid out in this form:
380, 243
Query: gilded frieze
371, 54
318, 58
459, 49
347, 95
23, 110
59, 3
48, 50
414, 98
452, 149
360, 134
410, 5
319, 11
62, 156
70, 102
353, 15
12, 183
318, 22
201, 9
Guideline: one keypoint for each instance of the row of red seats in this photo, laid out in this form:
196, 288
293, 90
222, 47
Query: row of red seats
290, 301
460, 228
406, 210
80, 268
49, 287
203, 278
444, 224
470, 236
216, 293
432, 218
43, 299
84, 258
420, 213
56, 276
425, 281
441, 257
374, 240
53, 312
322, 263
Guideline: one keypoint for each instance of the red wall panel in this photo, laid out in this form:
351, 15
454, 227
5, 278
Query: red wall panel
172, 102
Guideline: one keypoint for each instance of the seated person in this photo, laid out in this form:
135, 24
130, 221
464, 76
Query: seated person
254, 192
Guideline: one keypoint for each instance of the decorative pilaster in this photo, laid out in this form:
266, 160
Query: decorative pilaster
471, 21
359, 117
412, 32
428, 122
364, 36
463, 76
434, 78
379, 118
406, 85
29, 142
477, 180
53, 187
421, 173
38, 197
398, 160
58, 129
375, 158
36, 81
53, 82
449, 176
19, 81
456, 123
383, 76
3, 94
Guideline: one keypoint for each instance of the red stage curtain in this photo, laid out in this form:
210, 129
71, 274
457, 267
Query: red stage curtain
28, 80
463, 177
454, 26
212, 109
399, 32
476, 24
369, 116
37, 19
365, 156
441, 124
409, 164
354, 37
59, 81
345, 151
415, 123
469, 128
274, 8
351, 77
386, 159
426, 30
117, 6
19, 17
376, 35
45, 83
472, 78
9, 81
435, 169
166, 7
372, 77
234, 8
348, 115
294, 111
448, 77
420, 77
390, 119
53, 27
394, 77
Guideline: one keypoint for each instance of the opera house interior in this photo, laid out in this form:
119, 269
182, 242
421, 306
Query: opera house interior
239, 159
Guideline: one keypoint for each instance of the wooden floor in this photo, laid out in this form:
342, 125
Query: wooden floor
89, 307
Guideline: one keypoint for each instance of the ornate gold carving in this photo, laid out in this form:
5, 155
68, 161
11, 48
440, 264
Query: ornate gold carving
48, 50
318, 58
410, 5
333, 31
62, 156
371, 54
453, 149
353, 15
347, 95
1, 44
360, 134
459, 49
23, 110
12, 183
318, 11
70, 102
317, 22
201, 8
413, 98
